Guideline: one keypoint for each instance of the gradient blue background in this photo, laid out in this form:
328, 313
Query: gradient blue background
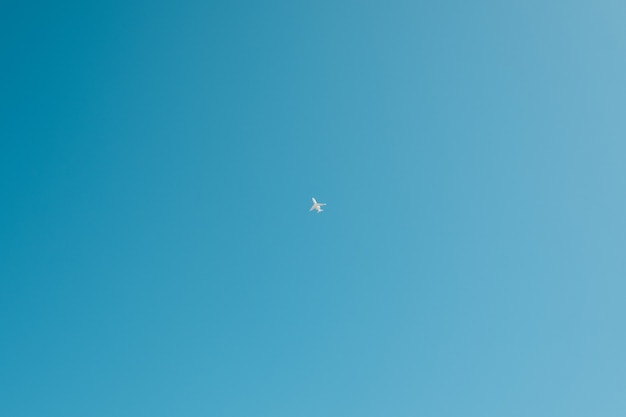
157, 256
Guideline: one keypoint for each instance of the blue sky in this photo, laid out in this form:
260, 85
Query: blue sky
157, 256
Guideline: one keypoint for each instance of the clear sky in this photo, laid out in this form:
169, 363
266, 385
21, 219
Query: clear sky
157, 163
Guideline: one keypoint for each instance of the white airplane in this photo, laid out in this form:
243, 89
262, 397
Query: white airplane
317, 206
